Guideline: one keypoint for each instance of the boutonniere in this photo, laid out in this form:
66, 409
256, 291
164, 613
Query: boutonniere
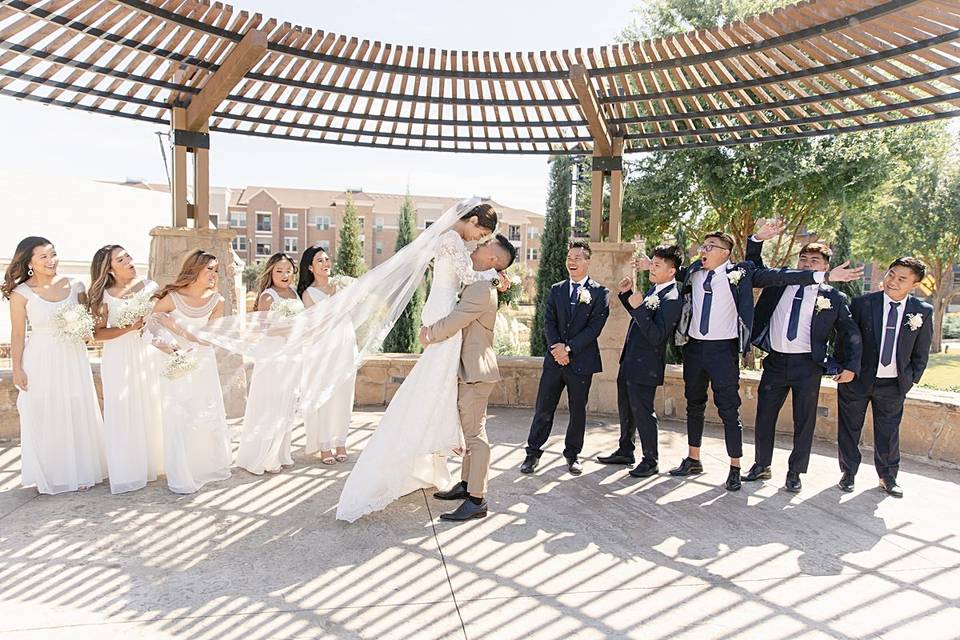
822, 304
735, 276
584, 296
914, 321
652, 302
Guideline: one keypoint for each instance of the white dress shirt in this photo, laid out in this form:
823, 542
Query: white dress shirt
723, 309
570, 283
890, 370
661, 287
780, 321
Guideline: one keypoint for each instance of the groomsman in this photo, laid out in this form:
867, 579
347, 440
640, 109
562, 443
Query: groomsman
897, 330
794, 326
715, 328
575, 313
654, 317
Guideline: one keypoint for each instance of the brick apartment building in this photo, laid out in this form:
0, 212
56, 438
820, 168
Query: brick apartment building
271, 219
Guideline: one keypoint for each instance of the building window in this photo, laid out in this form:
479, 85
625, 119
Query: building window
239, 243
215, 220
238, 219
263, 221
533, 233
291, 221
263, 248
533, 254
322, 223
378, 224
290, 245
513, 232
325, 245
379, 248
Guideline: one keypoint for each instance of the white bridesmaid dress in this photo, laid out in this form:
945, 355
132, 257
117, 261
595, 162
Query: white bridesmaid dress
327, 420
132, 419
60, 423
271, 408
196, 439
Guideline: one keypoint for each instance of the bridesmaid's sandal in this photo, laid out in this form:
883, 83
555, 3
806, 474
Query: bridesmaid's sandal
84, 489
326, 457
341, 454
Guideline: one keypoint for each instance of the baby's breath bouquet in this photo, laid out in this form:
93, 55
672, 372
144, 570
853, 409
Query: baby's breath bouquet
74, 323
179, 364
136, 307
286, 308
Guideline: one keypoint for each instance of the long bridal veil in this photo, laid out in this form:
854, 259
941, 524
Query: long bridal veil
366, 309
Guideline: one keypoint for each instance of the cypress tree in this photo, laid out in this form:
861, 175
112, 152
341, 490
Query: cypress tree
349, 260
841, 253
403, 336
553, 246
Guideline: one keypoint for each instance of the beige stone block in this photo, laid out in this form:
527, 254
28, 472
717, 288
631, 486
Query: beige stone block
369, 393
946, 447
374, 372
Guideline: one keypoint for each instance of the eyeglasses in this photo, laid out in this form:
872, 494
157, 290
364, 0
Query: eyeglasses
707, 248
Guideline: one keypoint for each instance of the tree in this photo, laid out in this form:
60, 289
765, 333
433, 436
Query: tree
553, 246
349, 250
842, 251
403, 337
920, 216
251, 272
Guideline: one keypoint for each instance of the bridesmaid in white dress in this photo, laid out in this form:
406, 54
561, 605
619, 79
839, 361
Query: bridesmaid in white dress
326, 420
133, 427
195, 435
268, 421
60, 422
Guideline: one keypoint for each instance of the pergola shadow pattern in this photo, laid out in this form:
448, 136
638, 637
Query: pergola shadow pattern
599, 556
813, 68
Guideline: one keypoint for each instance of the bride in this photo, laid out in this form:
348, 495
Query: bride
421, 425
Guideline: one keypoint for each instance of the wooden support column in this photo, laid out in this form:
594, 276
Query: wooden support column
616, 193
201, 187
602, 144
178, 173
596, 206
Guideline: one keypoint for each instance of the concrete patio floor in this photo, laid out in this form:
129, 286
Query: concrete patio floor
596, 556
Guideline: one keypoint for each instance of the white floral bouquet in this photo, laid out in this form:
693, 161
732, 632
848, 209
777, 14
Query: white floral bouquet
513, 293
341, 282
74, 323
137, 307
179, 364
286, 308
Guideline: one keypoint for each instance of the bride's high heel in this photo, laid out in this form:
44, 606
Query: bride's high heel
341, 456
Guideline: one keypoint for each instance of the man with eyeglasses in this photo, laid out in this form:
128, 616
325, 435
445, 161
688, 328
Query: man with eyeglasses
897, 330
715, 329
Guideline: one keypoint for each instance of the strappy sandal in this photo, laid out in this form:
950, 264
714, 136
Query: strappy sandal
329, 459
341, 457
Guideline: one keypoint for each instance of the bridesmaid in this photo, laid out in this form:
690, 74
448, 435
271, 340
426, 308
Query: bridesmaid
268, 421
326, 420
196, 441
60, 422
133, 429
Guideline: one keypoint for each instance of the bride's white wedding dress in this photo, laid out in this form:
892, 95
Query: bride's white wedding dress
421, 425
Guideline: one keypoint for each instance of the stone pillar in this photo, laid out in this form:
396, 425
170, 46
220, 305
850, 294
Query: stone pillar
168, 248
611, 262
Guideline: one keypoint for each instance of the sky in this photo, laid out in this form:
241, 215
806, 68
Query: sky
55, 141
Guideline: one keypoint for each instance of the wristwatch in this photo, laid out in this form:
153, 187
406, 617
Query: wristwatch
567, 347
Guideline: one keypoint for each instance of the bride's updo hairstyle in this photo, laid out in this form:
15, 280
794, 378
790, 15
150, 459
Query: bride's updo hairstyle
486, 216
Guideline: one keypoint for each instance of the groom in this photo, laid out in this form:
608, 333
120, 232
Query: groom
475, 315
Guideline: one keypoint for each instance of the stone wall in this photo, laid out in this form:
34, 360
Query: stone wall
930, 428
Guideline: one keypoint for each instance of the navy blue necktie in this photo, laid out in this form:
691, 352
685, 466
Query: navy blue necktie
889, 334
705, 307
650, 291
794, 322
574, 293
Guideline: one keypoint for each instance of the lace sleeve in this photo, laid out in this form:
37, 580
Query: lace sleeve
452, 248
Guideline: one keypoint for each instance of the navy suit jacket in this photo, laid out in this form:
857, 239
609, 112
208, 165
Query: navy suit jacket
825, 324
751, 277
644, 354
912, 349
577, 327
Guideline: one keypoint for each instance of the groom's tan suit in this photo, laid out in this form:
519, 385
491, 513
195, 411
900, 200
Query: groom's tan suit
475, 315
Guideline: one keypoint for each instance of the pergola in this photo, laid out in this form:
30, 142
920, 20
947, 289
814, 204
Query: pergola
816, 68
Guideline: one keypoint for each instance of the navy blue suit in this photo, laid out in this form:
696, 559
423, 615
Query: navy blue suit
885, 395
642, 362
578, 326
716, 363
799, 374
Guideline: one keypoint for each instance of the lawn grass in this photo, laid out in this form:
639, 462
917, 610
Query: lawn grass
943, 371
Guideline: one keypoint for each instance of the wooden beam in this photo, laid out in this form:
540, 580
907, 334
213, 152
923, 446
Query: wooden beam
596, 123
238, 63
178, 173
596, 206
201, 188
616, 195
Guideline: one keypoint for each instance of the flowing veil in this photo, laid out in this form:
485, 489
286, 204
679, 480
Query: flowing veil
370, 306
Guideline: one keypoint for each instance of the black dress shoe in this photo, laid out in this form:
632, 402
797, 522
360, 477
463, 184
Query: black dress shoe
757, 472
846, 482
466, 511
574, 466
793, 484
688, 467
529, 464
733, 479
457, 492
645, 469
890, 486
615, 458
